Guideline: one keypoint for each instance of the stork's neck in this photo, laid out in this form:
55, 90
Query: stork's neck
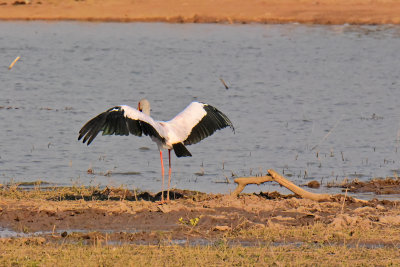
144, 106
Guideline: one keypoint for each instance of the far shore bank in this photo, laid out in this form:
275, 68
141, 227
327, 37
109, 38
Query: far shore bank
328, 12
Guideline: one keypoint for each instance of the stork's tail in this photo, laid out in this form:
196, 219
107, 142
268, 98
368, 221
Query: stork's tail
181, 150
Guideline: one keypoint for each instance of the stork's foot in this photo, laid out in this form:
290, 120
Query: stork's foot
161, 198
167, 197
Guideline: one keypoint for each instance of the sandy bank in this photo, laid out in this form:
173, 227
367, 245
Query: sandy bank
206, 11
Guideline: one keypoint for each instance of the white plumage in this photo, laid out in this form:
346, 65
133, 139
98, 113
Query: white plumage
196, 122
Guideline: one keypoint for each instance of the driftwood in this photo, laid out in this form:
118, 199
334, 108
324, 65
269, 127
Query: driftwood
243, 181
276, 177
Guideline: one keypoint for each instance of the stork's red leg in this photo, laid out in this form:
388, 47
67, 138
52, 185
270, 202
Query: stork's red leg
169, 173
162, 175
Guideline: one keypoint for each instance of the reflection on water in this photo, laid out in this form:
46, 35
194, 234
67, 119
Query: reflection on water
314, 102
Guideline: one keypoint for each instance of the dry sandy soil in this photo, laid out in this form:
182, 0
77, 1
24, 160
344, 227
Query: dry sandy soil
207, 11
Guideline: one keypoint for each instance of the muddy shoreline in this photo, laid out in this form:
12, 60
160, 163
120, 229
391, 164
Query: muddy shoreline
90, 216
357, 12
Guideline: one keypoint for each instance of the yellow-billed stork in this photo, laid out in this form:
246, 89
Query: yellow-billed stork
196, 122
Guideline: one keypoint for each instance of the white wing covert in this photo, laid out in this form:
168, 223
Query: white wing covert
198, 121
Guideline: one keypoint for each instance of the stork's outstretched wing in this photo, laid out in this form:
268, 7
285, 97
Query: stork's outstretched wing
198, 121
121, 120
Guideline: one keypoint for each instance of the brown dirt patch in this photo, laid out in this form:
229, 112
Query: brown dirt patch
206, 11
217, 216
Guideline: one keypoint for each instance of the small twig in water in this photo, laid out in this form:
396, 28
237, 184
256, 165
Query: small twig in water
54, 229
326, 136
227, 179
13, 63
224, 83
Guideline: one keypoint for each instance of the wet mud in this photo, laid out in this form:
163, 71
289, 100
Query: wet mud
382, 186
121, 216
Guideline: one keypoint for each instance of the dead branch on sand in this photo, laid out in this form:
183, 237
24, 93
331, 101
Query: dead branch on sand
276, 177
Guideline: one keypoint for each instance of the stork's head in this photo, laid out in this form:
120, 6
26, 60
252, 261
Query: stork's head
144, 106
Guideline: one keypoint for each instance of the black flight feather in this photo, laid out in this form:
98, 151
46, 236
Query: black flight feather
214, 120
113, 121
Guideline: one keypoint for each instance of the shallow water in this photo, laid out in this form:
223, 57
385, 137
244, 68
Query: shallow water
315, 102
6, 233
